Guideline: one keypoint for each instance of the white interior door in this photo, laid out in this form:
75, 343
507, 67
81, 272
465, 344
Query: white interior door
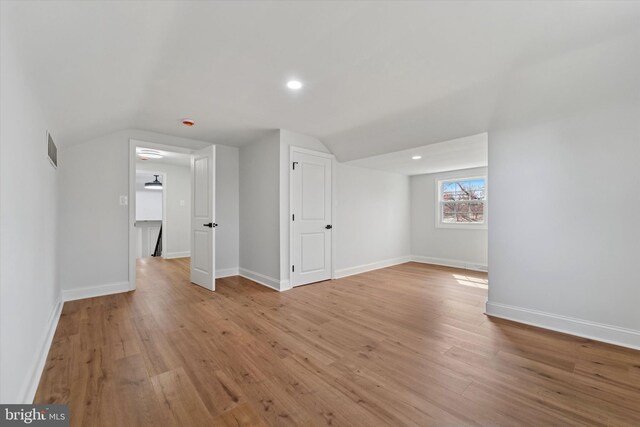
311, 218
203, 224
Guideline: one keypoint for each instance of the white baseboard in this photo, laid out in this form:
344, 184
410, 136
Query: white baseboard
226, 272
33, 379
267, 281
569, 325
476, 266
285, 285
350, 271
96, 291
171, 255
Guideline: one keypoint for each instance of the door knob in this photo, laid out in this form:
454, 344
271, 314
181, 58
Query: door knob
210, 224
329, 227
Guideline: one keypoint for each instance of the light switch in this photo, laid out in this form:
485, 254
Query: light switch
181, 202
124, 200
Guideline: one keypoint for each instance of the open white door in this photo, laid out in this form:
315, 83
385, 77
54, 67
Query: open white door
203, 235
311, 218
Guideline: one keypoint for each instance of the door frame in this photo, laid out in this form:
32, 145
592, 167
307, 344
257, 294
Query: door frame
334, 218
133, 144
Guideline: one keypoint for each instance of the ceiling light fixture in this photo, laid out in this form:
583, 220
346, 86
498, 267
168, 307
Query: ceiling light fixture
416, 157
155, 185
150, 154
188, 122
294, 84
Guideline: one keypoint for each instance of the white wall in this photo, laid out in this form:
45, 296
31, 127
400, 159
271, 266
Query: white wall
563, 228
227, 210
260, 209
29, 286
457, 247
373, 217
372, 208
95, 225
177, 189
148, 205
264, 206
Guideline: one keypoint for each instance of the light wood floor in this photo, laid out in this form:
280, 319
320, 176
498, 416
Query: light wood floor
406, 345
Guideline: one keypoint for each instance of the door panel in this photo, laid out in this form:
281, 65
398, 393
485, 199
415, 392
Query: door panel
312, 248
313, 178
200, 260
311, 210
203, 217
201, 187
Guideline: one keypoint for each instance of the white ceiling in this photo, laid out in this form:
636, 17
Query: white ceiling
460, 153
379, 76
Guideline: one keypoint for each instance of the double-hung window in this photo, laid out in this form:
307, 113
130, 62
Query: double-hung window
462, 203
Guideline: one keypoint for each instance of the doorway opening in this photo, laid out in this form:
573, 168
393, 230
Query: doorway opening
171, 209
151, 213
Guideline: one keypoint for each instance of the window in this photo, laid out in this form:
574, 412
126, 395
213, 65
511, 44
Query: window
462, 203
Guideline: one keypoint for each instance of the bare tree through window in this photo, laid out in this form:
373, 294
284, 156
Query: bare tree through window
463, 201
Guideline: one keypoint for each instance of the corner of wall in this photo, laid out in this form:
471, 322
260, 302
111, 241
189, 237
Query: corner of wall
96, 291
569, 325
269, 282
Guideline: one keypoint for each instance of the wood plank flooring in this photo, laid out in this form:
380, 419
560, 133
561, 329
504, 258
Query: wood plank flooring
405, 345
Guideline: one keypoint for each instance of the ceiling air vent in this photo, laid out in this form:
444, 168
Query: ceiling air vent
52, 151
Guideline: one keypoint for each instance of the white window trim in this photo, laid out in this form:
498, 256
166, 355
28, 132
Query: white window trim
461, 225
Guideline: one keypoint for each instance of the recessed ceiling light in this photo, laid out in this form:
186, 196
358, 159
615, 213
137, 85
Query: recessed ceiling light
416, 157
188, 122
294, 84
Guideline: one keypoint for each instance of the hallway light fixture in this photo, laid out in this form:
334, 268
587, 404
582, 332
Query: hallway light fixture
416, 157
149, 154
155, 185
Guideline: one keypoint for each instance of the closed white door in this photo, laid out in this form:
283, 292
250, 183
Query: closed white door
311, 218
203, 224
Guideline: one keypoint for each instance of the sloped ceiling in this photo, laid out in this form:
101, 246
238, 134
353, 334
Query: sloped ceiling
379, 76
460, 153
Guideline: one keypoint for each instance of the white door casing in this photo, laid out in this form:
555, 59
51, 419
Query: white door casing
203, 218
311, 210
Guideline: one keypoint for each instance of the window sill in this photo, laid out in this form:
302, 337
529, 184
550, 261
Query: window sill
462, 226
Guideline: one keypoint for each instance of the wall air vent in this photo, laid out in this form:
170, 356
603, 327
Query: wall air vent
52, 151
